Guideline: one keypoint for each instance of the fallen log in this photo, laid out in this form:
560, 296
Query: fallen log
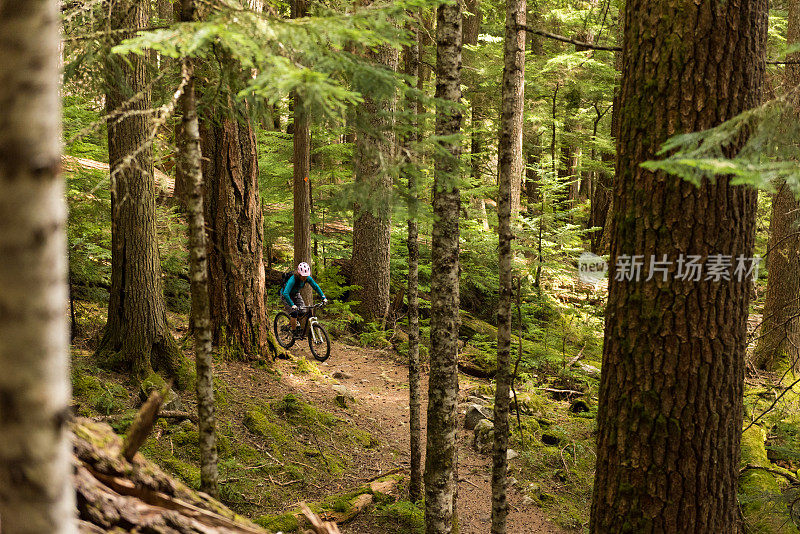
114, 494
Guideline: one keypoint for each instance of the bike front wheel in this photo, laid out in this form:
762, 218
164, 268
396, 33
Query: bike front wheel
318, 342
283, 330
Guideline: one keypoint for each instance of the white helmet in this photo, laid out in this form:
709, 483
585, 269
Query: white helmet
304, 269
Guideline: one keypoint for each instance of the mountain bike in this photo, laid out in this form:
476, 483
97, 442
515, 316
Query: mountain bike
318, 340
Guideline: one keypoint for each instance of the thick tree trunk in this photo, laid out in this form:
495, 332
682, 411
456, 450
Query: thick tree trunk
35, 487
410, 162
191, 164
510, 169
441, 457
374, 152
235, 234
779, 337
670, 411
137, 334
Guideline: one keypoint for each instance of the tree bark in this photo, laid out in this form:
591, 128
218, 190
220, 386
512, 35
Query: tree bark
670, 410
374, 152
301, 175
192, 167
235, 233
137, 334
779, 337
441, 455
35, 469
509, 148
410, 169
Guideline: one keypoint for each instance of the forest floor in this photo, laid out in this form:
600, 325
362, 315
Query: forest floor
284, 438
379, 382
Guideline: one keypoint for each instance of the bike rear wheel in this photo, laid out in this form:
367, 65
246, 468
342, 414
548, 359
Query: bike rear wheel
318, 342
283, 330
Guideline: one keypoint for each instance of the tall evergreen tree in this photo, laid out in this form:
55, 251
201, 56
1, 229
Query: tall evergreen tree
670, 411
779, 336
137, 334
302, 174
440, 454
36, 493
510, 168
374, 154
235, 238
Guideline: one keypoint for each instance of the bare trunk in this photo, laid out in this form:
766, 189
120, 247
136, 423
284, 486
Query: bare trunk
137, 335
374, 152
779, 337
301, 187
441, 455
510, 169
410, 162
36, 493
192, 167
233, 215
671, 389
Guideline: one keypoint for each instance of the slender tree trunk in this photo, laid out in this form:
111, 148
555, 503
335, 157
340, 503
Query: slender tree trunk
410, 162
670, 411
374, 152
441, 453
36, 493
137, 334
235, 239
510, 168
191, 164
301, 175
780, 328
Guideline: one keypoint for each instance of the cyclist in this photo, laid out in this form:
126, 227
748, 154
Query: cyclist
291, 297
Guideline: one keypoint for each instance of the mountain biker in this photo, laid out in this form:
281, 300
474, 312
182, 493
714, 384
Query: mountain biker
291, 297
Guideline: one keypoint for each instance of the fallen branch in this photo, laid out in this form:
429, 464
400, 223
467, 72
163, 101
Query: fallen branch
143, 423
562, 391
166, 414
317, 525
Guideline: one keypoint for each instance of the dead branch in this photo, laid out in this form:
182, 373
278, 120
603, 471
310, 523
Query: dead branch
143, 423
317, 524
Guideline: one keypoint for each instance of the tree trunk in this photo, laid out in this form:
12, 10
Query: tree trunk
509, 149
137, 334
235, 233
374, 152
301, 175
192, 164
410, 167
441, 456
36, 493
779, 336
670, 411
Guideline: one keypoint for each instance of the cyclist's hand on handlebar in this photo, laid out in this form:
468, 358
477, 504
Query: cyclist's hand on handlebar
325, 302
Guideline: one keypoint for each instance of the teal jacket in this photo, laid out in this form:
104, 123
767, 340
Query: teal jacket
293, 287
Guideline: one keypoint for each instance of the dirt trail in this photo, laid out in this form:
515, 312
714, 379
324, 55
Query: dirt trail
379, 383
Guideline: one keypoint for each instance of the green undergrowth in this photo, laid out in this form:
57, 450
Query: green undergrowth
772, 441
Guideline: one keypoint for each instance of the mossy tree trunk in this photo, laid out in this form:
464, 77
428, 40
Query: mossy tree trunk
36, 493
374, 154
779, 336
191, 165
670, 409
137, 336
510, 171
235, 232
441, 454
